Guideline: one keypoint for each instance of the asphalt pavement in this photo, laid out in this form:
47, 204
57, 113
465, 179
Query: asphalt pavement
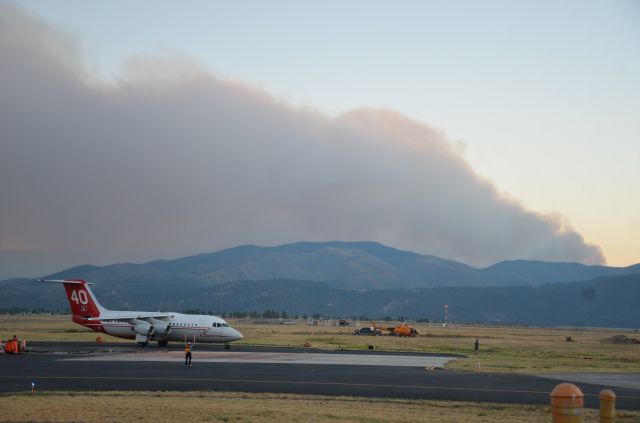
56, 367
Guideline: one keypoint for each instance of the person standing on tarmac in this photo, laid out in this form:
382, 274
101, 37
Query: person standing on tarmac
477, 345
187, 356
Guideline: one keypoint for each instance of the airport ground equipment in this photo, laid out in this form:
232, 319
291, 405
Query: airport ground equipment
402, 330
13, 346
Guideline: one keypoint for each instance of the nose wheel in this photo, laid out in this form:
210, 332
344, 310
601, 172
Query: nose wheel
227, 346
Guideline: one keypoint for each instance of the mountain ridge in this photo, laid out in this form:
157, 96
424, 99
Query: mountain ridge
353, 279
351, 265
609, 301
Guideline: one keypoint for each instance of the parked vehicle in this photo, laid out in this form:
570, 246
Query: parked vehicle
402, 330
367, 331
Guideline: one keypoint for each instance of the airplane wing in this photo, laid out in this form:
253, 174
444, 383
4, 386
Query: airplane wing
146, 317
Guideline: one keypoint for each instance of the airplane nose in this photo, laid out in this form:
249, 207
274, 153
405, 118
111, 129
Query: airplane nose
237, 335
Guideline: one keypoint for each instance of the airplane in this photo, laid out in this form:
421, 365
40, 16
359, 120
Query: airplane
143, 326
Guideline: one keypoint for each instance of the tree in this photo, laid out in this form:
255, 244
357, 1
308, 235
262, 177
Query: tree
270, 314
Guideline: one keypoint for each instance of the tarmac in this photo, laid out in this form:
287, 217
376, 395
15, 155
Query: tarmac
620, 380
370, 373
280, 358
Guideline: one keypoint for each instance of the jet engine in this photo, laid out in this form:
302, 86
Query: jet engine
143, 328
160, 327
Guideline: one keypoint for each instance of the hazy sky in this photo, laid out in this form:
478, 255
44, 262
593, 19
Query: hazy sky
476, 131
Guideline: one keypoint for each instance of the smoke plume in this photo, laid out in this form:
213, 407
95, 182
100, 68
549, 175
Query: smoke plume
170, 160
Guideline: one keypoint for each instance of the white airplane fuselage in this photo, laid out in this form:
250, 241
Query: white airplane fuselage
183, 327
144, 326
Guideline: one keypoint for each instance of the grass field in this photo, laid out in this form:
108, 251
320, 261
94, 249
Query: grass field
502, 349
238, 407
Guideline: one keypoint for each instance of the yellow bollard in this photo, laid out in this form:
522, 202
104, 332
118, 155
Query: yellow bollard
567, 401
607, 406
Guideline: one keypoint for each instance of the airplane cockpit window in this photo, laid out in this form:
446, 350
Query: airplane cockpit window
225, 325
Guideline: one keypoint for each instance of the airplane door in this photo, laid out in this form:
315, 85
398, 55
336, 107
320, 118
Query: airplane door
215, 329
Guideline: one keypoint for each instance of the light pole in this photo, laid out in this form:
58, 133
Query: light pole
446, 315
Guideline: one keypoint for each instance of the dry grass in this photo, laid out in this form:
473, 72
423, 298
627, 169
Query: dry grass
45, 328
502, 349
239, 407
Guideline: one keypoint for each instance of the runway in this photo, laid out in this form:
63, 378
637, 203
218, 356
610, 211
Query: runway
89, 367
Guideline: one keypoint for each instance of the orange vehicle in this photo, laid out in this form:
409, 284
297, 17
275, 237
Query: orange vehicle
13, 347
402, 329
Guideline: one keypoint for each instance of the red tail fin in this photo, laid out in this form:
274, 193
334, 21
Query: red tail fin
81, 298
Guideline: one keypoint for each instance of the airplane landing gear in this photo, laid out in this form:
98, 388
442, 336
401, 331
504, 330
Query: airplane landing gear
141, 340
163, 343
227, 346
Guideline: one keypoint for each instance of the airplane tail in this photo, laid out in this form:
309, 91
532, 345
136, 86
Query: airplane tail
81, 299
